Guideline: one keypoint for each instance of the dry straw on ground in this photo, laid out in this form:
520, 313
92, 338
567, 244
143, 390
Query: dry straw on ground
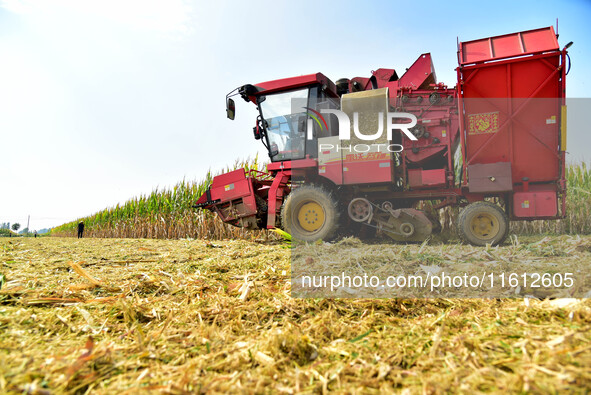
179, 316
548, 268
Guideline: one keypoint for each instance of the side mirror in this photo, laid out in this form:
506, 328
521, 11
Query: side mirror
230, 109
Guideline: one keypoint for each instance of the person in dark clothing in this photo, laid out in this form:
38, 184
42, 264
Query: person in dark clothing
80, 229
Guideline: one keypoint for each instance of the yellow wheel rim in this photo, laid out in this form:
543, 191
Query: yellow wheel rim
484, 226
311, 216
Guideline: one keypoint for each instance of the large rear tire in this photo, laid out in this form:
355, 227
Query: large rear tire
483, 223
310, 213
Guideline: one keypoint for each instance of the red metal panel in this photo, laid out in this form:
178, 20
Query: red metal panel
385, 75
228, 178
293, 82
414, 178
233, 190
535, 204
292, 164
276, 192
539, 40
418, 178
333, 171
419, 75
234, 186
511, 113
367, 168
433, 177
509, 45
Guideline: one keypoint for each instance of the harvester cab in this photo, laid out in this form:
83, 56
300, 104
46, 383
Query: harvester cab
371, 153
289, 119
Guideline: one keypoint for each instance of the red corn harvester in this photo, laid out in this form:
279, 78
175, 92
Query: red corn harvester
493, 145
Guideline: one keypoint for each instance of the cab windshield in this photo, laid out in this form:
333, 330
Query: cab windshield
285, 118
287, 121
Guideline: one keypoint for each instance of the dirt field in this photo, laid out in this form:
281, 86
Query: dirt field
178, 316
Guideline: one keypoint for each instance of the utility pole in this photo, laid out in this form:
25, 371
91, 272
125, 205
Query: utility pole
28, 220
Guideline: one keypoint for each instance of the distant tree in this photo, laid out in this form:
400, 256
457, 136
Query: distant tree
16, 227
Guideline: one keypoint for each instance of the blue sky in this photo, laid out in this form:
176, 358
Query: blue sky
103, 100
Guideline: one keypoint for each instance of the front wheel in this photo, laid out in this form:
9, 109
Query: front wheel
483, 223
310, 213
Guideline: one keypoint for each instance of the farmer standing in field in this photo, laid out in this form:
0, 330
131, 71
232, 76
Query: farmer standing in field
80, 229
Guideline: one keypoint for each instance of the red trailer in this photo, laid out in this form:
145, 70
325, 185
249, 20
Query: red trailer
364, 153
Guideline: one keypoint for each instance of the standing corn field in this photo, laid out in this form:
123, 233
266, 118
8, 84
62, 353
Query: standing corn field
163, 214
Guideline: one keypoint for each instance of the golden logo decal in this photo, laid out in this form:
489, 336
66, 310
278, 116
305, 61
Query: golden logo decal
483, 123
